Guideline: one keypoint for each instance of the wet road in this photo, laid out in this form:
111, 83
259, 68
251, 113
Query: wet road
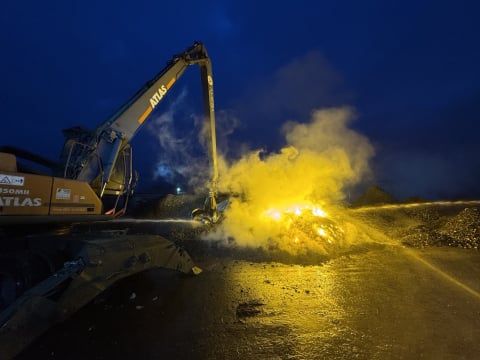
377, 301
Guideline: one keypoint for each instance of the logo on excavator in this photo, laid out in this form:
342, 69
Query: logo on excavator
16, 201
12, 180
155, 99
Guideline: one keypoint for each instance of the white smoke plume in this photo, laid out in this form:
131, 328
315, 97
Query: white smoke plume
176, 159
184, 150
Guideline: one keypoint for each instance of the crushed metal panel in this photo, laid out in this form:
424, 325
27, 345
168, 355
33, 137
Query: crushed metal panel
106, 261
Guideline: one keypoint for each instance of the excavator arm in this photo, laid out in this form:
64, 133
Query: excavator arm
93, 156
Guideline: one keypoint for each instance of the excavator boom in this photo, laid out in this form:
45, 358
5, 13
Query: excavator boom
95, 175
96, 154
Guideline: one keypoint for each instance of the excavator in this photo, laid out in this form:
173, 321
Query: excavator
45, 279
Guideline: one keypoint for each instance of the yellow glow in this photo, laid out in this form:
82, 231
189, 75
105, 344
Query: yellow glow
316, 211
322, 232
305, 224
297, 210
273, 214
281, 195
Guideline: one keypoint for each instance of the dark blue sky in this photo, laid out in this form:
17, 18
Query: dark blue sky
409, 68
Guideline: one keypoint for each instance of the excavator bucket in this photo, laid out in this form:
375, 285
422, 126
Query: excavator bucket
212, 212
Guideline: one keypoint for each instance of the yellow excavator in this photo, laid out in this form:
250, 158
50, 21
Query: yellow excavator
94, 177
50, 277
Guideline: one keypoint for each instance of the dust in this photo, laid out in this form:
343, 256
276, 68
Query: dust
307, 177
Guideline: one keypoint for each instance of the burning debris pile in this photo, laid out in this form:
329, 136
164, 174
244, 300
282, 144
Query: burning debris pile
281, 194
279, 198
303, 229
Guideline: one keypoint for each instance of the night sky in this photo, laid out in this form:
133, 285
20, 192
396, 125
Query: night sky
410, 69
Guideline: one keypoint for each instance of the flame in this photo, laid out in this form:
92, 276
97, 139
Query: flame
278, 214
322, 232
303, 223
316, 211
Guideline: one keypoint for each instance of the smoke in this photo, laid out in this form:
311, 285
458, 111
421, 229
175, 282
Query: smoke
184, 139
316, 165
179, 160
319, 162
291, 92
226, 124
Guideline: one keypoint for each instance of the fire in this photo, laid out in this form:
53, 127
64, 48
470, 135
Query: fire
303, 224
322, 232
278, 214
316, 211
286, 200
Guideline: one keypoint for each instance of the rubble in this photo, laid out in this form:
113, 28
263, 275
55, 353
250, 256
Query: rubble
418, 223
463, 229
424, 227
422, 236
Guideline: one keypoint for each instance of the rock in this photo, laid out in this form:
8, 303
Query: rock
463, 229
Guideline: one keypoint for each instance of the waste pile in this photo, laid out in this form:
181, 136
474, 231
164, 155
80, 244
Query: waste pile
463, 230
422, 224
